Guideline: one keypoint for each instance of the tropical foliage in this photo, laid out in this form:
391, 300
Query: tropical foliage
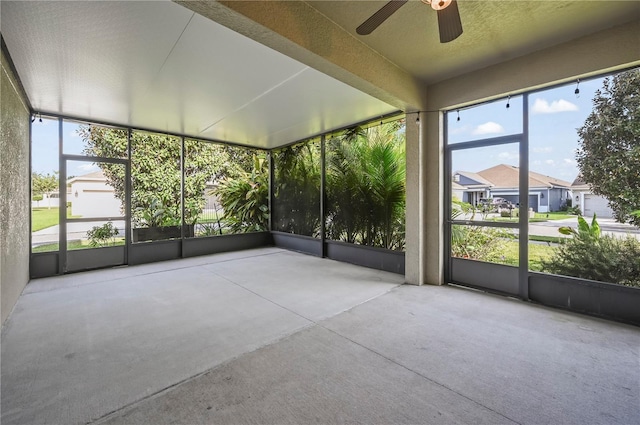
245, 198
589, 254
296, 206
366, 186
365, 183
156, 181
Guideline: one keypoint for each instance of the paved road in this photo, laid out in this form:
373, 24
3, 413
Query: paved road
607, 225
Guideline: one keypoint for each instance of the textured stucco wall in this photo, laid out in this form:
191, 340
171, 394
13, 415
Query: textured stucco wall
14, 192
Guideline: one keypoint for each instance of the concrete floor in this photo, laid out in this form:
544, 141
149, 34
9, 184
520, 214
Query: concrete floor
271, 336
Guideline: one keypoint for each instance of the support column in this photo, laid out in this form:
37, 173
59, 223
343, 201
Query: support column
433, 194
413, 211
424, 249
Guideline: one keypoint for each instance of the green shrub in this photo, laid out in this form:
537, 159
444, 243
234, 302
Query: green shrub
37, 198
479, 243
590, 255
101, 236
574, 210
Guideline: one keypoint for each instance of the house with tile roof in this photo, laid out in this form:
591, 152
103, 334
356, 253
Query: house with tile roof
546, 193
589, 202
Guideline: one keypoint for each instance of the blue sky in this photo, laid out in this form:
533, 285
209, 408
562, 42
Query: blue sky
45, 147
554, 116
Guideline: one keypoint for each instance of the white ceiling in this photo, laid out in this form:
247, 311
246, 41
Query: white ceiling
159, 66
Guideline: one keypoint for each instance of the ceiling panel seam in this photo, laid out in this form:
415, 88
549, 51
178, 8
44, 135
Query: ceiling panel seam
153, 80
261, 95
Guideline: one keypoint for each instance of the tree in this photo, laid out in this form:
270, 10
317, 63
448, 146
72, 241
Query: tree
44, 183
609, 146
155, 172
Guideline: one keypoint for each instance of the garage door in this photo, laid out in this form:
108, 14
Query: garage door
598, 205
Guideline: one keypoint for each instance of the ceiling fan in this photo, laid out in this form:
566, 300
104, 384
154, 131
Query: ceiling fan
449, 24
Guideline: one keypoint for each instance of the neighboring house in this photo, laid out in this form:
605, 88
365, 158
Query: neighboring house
502, 181
589, 202
471, 187
91, 196
458, 191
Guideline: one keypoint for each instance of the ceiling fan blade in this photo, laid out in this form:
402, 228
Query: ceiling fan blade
449, 23
379, 17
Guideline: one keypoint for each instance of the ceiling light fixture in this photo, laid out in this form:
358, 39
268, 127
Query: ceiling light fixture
449, 24
508, 100
33, 117
437, 4
577, 90
458, 111
418, 118
39, 117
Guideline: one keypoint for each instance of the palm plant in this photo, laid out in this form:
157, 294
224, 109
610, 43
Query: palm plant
366, 186
296, 206
245, 199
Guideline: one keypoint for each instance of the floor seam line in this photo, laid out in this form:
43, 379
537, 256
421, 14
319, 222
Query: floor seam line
417, 373
263, 297
296, 313
171, 387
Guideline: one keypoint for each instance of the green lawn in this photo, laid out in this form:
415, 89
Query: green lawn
70, 246
537, 253
538, 217
552, 239
42, 217
554, 215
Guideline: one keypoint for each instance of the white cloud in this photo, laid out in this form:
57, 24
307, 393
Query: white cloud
546, 149
568, 161
460, 130
550, 162
537, 162
489, 128
541, 106
88, 167
508, 155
